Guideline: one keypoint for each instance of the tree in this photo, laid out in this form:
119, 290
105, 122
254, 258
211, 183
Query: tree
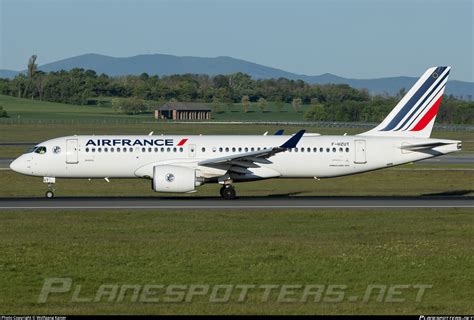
129, 105
3, 113
279, 105
216, 105
32, 67
229, 106
316, 113
245, 101
262, 104
296, 103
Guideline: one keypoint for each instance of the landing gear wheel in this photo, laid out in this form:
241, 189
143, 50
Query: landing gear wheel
49, 194
228, 192
221, 191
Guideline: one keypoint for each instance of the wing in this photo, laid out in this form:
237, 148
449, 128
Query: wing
239, 162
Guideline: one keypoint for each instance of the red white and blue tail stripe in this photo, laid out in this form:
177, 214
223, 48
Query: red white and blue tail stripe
415, 114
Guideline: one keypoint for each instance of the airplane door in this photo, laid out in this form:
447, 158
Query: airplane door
71, 151
360, 152
192, 150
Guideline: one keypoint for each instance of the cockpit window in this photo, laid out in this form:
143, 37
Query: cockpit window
32, 149
40, 150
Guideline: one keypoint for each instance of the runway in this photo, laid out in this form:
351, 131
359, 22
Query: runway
270, 202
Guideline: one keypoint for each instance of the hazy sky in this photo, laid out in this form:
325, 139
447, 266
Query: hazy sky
359, 39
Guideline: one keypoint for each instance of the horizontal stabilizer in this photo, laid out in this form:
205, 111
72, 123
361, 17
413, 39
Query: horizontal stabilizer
424, 146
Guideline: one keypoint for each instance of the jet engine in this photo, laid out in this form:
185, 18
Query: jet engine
168, 178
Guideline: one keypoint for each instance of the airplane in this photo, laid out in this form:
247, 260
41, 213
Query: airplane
179, 164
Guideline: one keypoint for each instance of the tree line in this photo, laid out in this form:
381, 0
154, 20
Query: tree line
329, 102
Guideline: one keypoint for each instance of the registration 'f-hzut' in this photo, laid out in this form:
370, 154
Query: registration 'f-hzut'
182, 163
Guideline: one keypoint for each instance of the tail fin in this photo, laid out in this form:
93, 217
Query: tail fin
415, 114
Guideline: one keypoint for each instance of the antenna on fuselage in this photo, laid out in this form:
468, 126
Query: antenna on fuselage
151, 133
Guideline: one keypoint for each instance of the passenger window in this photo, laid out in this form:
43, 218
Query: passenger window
233, 149
87, 149
181, 149
308, 149
321, 149
203, 149
333, 149
226, 149
40, 150
347, 149
315, 149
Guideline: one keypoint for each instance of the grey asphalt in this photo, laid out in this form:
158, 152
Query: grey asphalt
270, 202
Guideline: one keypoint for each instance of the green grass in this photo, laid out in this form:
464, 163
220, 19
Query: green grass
348, 247
28, 109
384, 182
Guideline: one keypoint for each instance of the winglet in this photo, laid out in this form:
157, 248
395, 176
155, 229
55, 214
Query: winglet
279, 132
293, 141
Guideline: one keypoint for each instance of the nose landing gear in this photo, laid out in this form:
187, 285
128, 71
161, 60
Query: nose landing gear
50, 181
49, 194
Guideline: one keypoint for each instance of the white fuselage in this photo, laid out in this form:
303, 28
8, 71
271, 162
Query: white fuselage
315, 155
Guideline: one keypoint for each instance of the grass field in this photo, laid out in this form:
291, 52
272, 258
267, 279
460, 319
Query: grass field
27, 109
324, 247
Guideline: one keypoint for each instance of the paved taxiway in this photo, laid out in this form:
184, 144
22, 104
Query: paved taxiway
270, 202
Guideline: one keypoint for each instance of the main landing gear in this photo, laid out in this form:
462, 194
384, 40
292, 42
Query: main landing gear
228, 192
50, 181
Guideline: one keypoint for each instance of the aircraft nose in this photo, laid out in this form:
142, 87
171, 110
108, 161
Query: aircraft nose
18, 165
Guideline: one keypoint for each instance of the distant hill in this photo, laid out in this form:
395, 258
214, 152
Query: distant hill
9, 74
162, 64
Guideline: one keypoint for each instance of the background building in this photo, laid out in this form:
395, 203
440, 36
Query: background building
183, 111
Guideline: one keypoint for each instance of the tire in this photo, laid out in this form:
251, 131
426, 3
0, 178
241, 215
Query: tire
229, 193
49, 194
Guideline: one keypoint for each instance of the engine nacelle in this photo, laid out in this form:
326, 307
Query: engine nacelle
168, 178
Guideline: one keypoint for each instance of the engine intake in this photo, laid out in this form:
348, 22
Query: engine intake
168, 178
